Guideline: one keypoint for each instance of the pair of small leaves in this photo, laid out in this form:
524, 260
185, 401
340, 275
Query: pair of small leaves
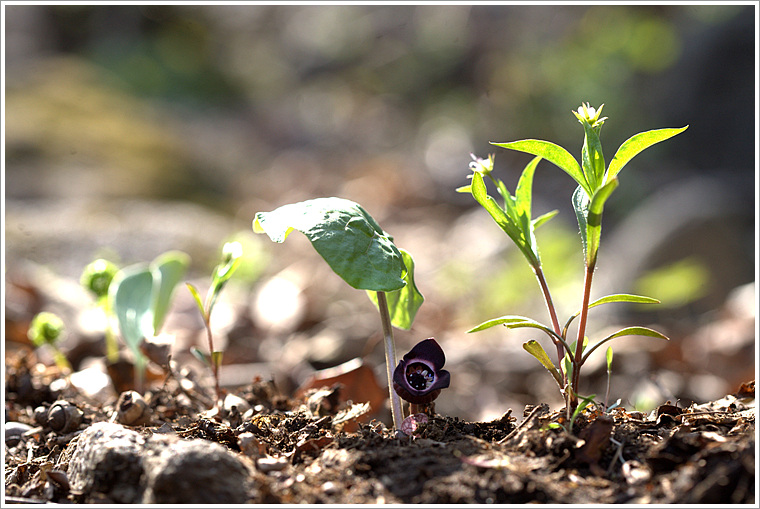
232, 253
354, 246
140, 296
595, 185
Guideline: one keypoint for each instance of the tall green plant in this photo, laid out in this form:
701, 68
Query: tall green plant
596, 183
232, 253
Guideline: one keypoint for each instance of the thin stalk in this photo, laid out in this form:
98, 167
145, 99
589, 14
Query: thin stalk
214, 366
607, 392
390, 358
581, 334
552, 313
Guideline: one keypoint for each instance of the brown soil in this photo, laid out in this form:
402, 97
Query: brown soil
317, 449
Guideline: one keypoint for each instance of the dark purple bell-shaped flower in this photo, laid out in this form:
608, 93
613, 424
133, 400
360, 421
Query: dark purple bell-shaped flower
419, 376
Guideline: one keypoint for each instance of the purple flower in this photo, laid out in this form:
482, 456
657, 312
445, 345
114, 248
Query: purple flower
419, 376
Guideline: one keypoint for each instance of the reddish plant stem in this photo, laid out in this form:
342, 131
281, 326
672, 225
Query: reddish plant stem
578, 360
552, 313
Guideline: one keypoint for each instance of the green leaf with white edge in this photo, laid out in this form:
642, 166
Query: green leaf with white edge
637, 143
628, 331
198, 300
345, 235
172, 266
403, 303
131, 296
553, 153
534, 348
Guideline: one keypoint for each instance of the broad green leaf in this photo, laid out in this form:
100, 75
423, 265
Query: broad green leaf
635, 144
553, 153
131, 295
172, 266
403, 303
534, 348
345, 235
628, 331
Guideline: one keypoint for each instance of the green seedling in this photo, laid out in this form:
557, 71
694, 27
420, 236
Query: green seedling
139, 299
96, 277
363, 255
46, 329
231, 257
513, 215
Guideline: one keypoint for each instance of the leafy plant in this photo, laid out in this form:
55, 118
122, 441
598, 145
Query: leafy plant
46, 328
139, 298
363, 255
596, 183
231, 257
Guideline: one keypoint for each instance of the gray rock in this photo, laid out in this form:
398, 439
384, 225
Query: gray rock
162, 469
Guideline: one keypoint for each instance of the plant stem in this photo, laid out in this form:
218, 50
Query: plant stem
214, 366
390, 358
581, 334
553, 313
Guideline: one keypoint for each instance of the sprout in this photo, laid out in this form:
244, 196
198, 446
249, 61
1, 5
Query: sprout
46, 329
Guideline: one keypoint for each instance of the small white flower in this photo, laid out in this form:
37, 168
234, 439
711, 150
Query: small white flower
590, 115
482, 166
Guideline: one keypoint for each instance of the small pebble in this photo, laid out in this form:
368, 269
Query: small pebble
270, 464
13, 432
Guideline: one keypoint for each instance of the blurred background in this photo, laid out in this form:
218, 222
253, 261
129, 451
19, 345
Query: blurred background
131, 130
